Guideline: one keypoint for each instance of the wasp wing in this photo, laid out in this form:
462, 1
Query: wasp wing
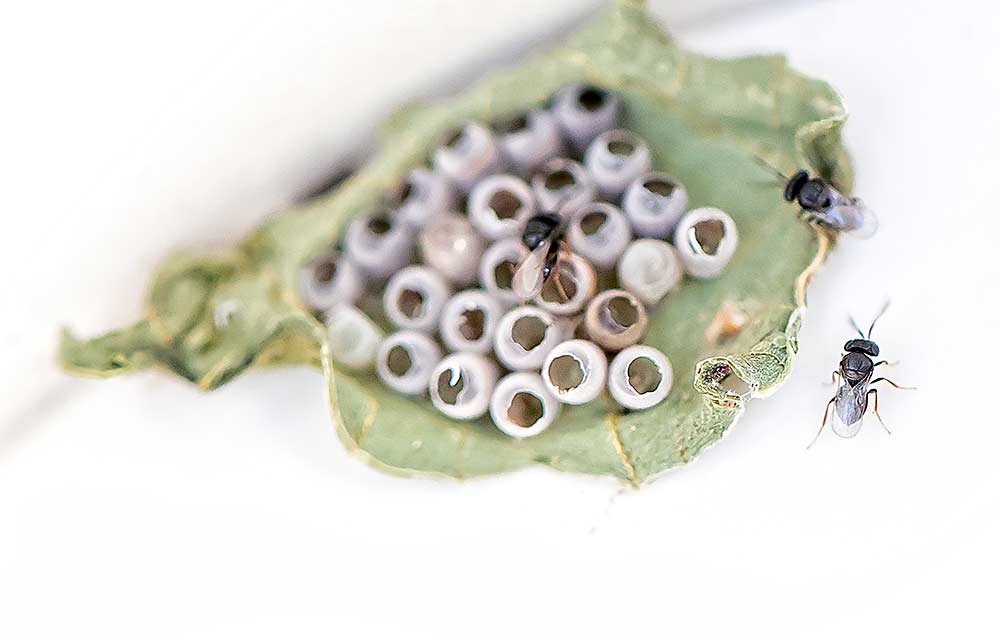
850, 215
849, 410
529, 276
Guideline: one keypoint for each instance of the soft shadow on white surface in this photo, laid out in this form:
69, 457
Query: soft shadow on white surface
143, 508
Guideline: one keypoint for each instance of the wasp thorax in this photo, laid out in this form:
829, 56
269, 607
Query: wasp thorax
815, 194
539, 228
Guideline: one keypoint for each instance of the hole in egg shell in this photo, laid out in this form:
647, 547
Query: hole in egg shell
379, 224
621, 147
471, 324
399, 361
503, 274
505, 205
325, 271
620, 313
528, 332
525, 409
566, 373
450, 386
559, 179
591, 98
643, 375
592, 222
707, 235
659, 187
411, 303
512, 125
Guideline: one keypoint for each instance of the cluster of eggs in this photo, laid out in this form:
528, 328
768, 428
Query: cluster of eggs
457, 311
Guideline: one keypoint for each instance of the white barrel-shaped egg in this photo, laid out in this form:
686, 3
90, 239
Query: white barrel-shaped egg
584, 112
468, 154
522, 406
575, 371
499, 205
414, 297
653, 203
650, 269
640, 377
405, 361
524, 336
461, 385
599, 232
615, 159
705, 240
469, 320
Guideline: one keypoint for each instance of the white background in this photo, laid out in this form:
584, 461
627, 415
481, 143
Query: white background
141, 508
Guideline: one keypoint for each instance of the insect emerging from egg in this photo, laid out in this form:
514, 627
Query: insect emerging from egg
856, 385
544, 238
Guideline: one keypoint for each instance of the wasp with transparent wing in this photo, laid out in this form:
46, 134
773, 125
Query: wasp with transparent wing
544, 237
822, 204
856, 385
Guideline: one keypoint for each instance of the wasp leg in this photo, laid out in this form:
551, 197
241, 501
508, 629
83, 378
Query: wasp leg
833, 377
826, 414
892, 383
874, 392
559, 286
887, 363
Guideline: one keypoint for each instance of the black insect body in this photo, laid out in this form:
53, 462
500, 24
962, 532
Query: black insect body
543, 236
820, 203
855, 372
825, 205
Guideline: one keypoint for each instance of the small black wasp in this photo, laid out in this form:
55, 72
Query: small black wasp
823, 204
855, 371
544, 237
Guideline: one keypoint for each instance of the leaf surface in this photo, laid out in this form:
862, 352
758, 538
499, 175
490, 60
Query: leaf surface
707, 122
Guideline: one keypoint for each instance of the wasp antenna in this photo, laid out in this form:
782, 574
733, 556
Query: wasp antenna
855, 326
767, 165
884, 307
768, 183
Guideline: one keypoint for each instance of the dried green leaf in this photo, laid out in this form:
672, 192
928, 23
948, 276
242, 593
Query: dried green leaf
706, 120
